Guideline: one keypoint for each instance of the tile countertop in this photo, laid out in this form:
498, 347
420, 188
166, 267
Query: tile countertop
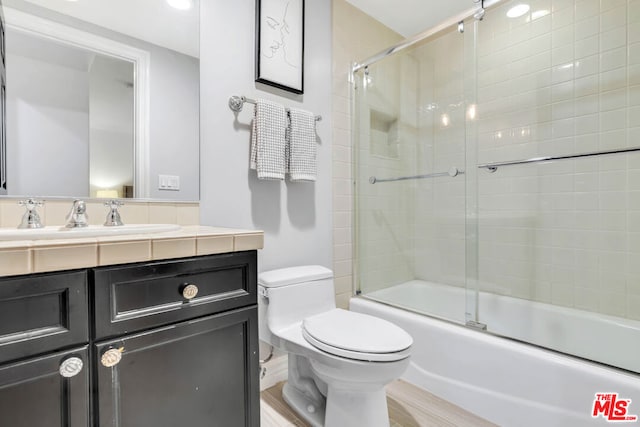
36, 256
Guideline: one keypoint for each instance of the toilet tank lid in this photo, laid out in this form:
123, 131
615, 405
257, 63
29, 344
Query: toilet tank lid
291, 275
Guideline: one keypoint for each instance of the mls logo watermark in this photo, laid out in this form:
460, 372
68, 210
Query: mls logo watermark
612, 408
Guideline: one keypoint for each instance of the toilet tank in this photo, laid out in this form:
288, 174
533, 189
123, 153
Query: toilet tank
288, 295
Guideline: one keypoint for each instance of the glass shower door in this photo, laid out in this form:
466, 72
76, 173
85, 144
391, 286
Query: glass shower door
497, 176
384, 150
557, 239
410, 111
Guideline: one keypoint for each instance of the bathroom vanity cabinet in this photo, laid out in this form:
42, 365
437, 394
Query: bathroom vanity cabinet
160, 343
43, 323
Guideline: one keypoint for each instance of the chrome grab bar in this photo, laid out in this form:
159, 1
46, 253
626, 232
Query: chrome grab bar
452, 172
492, 167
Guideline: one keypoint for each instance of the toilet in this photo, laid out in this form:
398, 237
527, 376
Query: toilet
339, 361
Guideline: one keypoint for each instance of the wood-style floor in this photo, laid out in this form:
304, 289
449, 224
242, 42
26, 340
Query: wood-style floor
409, 406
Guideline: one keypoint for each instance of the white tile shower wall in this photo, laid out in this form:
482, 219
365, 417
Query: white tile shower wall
355, 37
563, 79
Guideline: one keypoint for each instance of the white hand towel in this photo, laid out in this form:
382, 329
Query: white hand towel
268, 140
302, 146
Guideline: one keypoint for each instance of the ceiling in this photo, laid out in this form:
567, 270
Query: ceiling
153, 21
409, 17
156, 22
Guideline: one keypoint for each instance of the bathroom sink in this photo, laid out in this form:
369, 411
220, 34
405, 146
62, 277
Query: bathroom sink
56, 232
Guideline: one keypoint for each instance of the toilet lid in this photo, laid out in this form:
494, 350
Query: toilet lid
356, 336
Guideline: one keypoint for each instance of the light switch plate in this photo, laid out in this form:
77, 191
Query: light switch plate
169, 182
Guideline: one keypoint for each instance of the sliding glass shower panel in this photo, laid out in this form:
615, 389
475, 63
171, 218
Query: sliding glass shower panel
557, 239
385, 135
410, 187
498, 176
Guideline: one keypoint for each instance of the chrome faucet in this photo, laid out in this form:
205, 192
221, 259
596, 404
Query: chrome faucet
31, 219
77, 217
113, 217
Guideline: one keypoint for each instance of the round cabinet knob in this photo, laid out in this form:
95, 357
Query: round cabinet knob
111, 357
190, 291
71, 367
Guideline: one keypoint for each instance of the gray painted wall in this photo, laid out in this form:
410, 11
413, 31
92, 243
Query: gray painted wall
174, 123
296, 217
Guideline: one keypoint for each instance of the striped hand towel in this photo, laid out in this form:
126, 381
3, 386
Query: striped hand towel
302, 146
268, 140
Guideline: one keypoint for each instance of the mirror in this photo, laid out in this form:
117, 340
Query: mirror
102, 98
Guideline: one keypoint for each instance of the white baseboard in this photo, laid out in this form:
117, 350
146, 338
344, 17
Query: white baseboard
276, 371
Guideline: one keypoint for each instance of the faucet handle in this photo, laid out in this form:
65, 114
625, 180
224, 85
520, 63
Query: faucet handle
31, 219
113, 203
31, 204
113, 217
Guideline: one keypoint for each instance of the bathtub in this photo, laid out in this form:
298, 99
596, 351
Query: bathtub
503, 380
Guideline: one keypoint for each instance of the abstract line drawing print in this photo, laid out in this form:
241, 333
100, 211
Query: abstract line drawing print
280, 44
279, 33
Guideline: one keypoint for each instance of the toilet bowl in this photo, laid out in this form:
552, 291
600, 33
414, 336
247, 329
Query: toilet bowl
339, 361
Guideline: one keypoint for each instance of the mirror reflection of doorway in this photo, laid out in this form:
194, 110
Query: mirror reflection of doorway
71, 113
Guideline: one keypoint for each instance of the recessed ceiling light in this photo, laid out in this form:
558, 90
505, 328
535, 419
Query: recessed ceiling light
518, 10
181, 4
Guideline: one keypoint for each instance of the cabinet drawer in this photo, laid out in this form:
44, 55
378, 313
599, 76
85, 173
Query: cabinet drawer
134, 297
42, 313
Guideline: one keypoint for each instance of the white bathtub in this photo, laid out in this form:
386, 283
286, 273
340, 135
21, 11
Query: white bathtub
503, 380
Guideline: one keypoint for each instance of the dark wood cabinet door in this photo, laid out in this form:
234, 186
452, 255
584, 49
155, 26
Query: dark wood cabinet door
33, 393
198, 373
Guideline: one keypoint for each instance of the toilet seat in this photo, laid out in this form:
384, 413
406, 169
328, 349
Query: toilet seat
356, 336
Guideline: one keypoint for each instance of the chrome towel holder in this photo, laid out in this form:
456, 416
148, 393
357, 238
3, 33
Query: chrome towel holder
237, 102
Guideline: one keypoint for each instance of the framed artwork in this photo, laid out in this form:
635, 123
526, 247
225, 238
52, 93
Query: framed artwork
280, 44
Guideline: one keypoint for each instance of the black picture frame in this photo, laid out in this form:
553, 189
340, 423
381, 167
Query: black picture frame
280, 44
